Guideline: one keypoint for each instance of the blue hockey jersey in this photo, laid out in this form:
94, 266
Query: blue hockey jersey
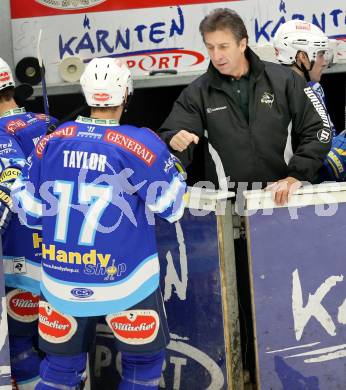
95, 187
20, 131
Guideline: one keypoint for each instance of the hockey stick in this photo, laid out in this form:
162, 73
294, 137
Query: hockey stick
43, 81
67, 118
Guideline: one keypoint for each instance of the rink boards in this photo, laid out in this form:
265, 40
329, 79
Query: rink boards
297, 270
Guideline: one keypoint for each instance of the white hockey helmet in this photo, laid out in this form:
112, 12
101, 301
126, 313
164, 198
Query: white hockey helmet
105, 82
298, 35
6, 77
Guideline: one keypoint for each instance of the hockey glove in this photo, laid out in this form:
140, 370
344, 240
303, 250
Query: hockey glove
5, 207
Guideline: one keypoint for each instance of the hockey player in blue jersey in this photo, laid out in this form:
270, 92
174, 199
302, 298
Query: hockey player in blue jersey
305, 48
19, 133
93, 186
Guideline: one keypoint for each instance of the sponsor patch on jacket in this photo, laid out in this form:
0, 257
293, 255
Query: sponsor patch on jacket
130, 144
213, 109
54, 326
134, 326
318, 106
66, 132
15, 124
324, 135
22, 305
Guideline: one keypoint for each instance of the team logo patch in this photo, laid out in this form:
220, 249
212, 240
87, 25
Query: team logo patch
134, 326
14, 125
54, 326
267, 98
22, 305
101, 97
324, 135
66, 132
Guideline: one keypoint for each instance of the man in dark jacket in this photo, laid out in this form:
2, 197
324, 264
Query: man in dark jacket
263, 123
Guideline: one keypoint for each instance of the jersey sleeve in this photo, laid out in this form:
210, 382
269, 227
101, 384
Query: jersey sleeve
12, 159
311, 130
163, 187
26, 194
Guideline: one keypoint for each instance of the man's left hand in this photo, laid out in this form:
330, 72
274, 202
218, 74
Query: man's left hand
283, 189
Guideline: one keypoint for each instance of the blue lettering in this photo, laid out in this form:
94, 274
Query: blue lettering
121, 269
335, 14
65, 48
281, 21
119, 39
139, 29
91, 269
174, 26
298, 16
85, 44
321, 25
262, 31
101, 36
154, 32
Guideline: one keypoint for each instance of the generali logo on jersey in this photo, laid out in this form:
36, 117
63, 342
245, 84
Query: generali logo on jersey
134, 326
22, 305
130, 144
54, 326
69, 4
66, 132
13, 125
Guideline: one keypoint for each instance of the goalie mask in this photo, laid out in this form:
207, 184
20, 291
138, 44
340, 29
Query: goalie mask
105, 82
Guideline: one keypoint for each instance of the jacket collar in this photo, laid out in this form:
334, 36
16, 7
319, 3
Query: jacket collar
256, 69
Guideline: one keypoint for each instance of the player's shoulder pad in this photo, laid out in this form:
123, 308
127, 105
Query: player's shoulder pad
67, 130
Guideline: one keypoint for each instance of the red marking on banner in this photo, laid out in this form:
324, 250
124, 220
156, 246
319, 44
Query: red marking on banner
34, 9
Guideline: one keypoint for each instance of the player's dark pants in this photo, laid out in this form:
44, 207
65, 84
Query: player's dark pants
141, 335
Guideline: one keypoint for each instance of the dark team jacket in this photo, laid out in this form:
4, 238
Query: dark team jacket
288, 133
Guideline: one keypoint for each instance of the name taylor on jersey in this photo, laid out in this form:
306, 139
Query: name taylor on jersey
84, 160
